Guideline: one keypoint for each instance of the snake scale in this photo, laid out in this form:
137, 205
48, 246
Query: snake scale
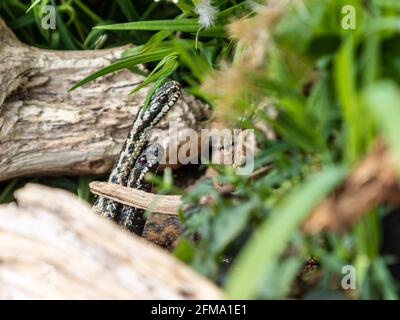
136, 158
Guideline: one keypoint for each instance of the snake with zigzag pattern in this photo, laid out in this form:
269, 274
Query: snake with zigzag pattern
136, 158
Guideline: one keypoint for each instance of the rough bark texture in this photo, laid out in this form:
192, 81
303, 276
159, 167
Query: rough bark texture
60, 249
46, 130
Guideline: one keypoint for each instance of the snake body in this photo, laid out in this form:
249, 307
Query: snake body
131, 218
135, 160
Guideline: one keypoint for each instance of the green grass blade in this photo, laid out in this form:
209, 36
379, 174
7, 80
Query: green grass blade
186, 8
128, 9
155, 40
63, 30
88, 11
7, 194
228, 224
22, 22
383, 99
32, 5
344, 77
240, 8
267, 244
183, 25
163, 68
152, 90
124, 63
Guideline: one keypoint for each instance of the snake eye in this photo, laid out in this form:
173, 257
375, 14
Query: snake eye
163, 99
142, 160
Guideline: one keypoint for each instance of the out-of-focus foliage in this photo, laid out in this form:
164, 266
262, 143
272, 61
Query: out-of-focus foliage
333, 92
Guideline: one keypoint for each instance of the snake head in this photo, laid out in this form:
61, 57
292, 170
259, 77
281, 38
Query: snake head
163, 99
148, 161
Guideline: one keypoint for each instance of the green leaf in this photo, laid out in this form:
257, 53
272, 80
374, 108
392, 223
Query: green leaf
344, 76
186, 8
228, 224
124, 63
6, 195
128, 9
155, 40
64, 32
383, 99
88, 11
22, 22
83, 190
159, 74
320, 105
279, 287
32, 5
164, 68
288, 271
385, 279
193, 59
235, 10
152, 90
94, 37
183, 25
184, 250
268, 243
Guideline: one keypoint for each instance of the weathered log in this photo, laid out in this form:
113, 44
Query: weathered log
52, 246
44, 129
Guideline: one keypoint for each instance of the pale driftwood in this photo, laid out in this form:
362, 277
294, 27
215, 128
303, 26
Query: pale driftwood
46, 130
163, 226
52, 246
166, 204
137, 198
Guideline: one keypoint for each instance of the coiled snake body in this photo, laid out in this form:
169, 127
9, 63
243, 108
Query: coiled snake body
136, 159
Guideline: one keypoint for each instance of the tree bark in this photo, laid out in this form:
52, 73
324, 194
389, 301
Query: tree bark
60, 249
44, 129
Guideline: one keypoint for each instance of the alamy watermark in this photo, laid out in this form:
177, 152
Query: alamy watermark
233, 147
48, 17
349, 277
349, 17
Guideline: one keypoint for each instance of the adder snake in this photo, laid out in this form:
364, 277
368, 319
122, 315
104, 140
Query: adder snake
136, 158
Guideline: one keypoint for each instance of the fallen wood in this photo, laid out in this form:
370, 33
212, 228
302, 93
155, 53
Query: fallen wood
163, 226
52, 246
137, 198
373, 181
167, 204
44, 129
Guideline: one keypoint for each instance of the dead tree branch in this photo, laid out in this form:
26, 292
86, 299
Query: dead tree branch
52, 246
